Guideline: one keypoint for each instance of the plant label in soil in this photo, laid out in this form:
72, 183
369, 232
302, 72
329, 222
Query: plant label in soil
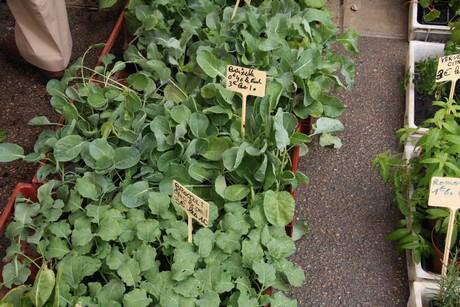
246, 81
192, 204
448, 68
445, 192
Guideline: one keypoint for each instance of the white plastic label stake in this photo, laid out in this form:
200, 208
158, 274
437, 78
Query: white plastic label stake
195, 207
445, 192
246, 81
449, 70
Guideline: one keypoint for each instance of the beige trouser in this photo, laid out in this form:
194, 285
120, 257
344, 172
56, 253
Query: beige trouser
42, 32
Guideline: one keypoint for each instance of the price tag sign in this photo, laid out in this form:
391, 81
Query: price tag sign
448, 68
195, 207
246, 81
444, 192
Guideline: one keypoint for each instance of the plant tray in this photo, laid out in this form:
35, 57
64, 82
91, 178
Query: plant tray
417, 51
421, 293
424, 32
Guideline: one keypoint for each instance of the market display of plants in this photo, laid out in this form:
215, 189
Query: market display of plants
436, 153
105, 230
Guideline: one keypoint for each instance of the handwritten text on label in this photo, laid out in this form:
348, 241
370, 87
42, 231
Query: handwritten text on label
246, 81
192, 204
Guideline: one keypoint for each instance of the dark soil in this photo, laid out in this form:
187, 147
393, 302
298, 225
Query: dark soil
24, 94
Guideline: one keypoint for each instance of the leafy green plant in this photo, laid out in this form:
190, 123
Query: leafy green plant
449, 285
104, 215
435, 154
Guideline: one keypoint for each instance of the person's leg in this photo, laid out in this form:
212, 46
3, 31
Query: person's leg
42, 32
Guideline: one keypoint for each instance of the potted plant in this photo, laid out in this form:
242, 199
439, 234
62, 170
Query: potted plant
421, 86
433, 154
429, 19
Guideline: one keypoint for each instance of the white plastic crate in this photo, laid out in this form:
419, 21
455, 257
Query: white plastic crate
417, 51
421, 293
422, 32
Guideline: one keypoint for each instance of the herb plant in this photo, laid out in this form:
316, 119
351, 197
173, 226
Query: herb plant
449, 285
435, 154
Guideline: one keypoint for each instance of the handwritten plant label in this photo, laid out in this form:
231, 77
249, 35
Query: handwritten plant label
246, 81
444, 192
448, 68
195, 207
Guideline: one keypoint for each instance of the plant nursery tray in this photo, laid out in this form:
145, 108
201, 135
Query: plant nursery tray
425, 32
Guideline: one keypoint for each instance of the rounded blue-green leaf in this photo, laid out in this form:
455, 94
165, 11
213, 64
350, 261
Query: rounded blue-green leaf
279, 207
136, 194
236, 192
68, 148
10, 152
126, 157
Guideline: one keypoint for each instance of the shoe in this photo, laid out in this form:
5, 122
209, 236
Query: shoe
11, 50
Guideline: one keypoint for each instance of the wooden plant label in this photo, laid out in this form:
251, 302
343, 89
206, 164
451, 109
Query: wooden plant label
195, 207
246, 81
449, 70
445, 192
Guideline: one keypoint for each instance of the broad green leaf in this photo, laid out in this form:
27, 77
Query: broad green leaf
43, 286
10, 152
138, 81
180, 114
209, 299
216, 148
211, 65
327, 139
148, 230
299, 230
39, 121
279, 207
111, 291
109, 229
315, 3
327, 125
236, 192
126, 157
129, 272
281, 135
307, 63
136, 298
136, 194
146, 257
174, 93
265, 273
349, 40
280, 300
75, 267
198, 124
57, 248
16, 273
68, 148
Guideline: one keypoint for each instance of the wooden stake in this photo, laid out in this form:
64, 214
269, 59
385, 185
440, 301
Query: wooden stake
235, 8
243, 116
450, 229
452, 89
190, 228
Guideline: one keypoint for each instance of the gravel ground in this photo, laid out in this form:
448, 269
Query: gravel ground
345, 256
